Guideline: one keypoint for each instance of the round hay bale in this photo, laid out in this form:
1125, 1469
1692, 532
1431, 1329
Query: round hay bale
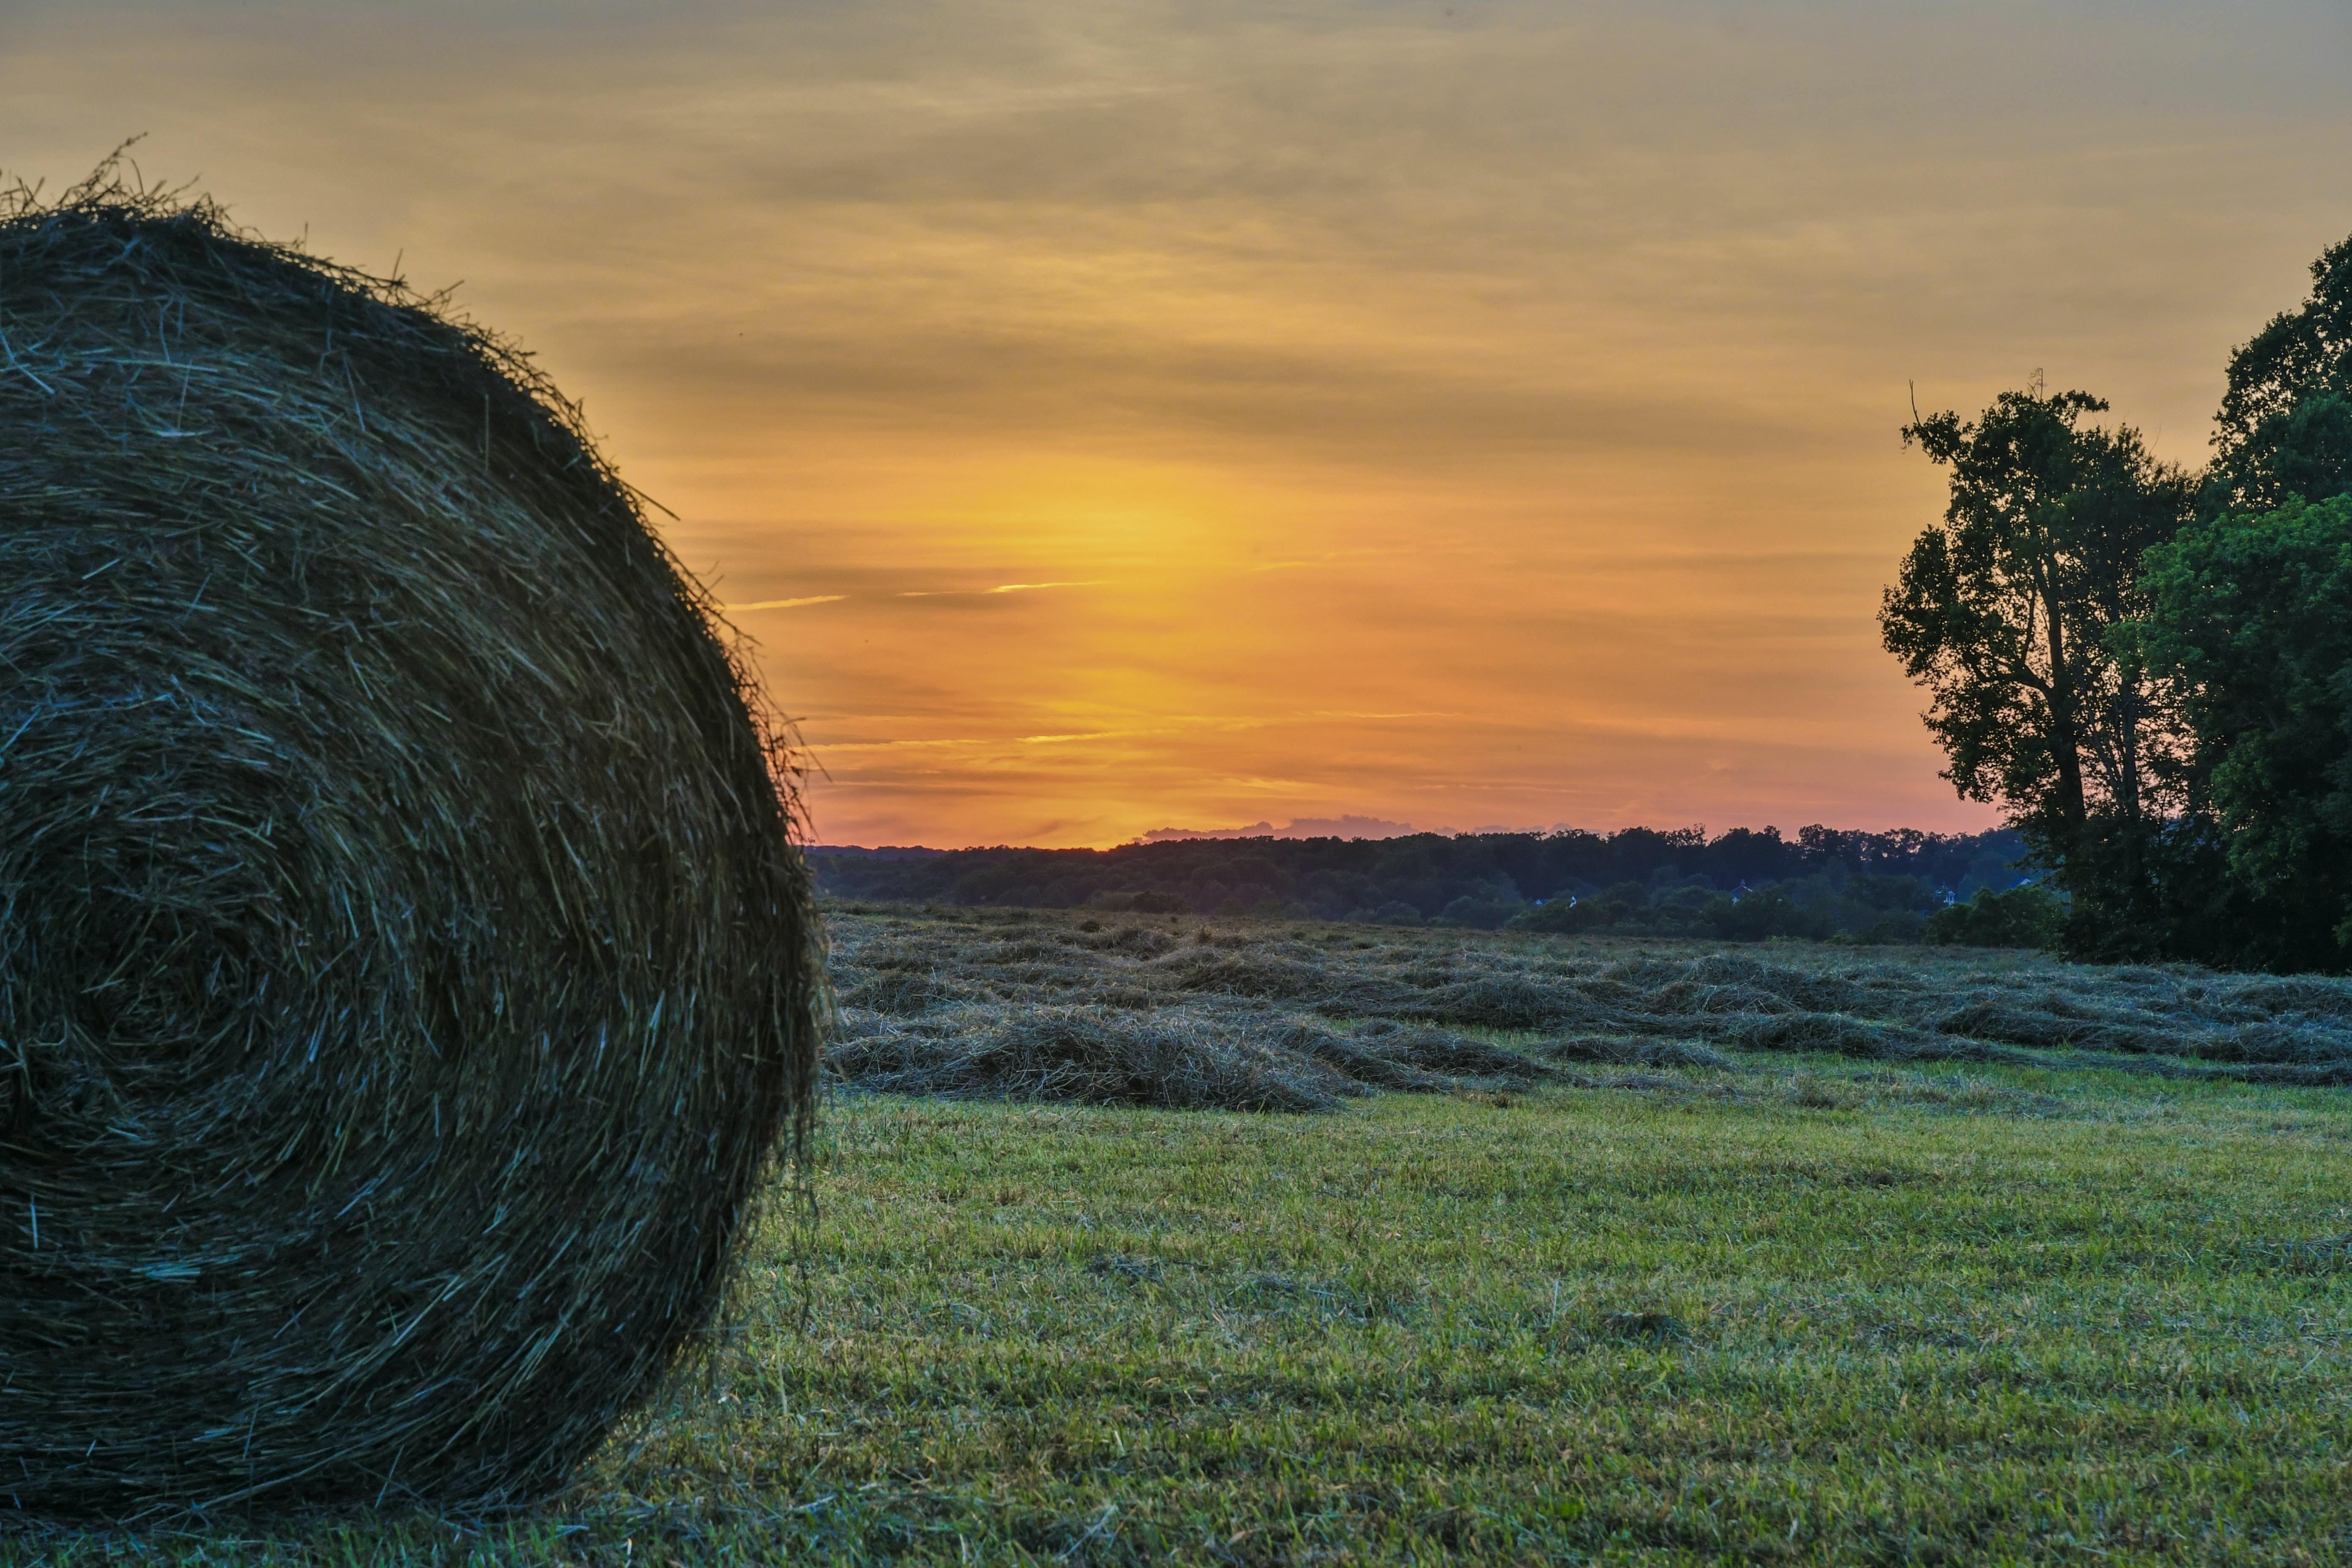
408, 979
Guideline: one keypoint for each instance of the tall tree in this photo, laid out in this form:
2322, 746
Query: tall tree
2249, 612
2008, 614
2285, 423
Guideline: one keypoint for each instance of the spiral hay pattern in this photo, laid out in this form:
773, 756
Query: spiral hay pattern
408, 977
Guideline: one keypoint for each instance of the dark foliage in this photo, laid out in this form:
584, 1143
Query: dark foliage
2163, 707
2006, 613
2251, 612
1656, 881
2030, 916
407, 975
2284, 427
1834, 904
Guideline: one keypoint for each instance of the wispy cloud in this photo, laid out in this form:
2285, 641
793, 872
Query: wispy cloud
1514, 442
832, 748
1415, 713
1000, 588
784, 603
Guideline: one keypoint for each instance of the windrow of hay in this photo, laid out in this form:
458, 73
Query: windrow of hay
938, 999
1185, 1057
408, 977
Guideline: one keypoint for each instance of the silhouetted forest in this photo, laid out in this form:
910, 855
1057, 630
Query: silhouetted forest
2150, 669
1743, 884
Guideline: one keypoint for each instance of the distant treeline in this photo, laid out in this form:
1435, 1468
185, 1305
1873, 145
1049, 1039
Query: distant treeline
1744, 884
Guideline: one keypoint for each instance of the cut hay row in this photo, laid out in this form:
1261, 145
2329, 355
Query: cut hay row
1299, 1018
406, 975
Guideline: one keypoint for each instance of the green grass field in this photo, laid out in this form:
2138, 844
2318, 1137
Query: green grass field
1787, 1307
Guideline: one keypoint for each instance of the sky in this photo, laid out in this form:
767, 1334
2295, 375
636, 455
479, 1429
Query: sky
1107, 416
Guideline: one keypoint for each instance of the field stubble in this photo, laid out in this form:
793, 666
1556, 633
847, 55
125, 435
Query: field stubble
1675, 1255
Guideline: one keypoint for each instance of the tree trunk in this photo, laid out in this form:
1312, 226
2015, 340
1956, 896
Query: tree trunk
2128, 698
2065, 732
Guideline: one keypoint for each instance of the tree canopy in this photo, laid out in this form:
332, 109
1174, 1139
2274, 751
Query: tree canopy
2152, 673
2251, 613
2005, 612
2284, 427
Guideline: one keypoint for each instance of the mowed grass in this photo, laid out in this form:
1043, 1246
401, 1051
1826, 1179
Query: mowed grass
1862, 1317
1851, 1323
1805, 1309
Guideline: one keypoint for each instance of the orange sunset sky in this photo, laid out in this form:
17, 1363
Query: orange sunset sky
1109, 417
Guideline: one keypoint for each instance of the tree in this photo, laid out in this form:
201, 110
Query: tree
2030, 916
2249, 612
2007, 612
2166, 715
2285, 423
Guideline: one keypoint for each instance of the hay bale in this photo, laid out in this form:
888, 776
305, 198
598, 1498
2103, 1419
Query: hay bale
407, 975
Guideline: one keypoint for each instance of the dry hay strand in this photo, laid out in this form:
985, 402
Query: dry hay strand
1131, 942
1179, 1058
906, 991
1503, 1002
2293, 996
1210, 969
1387, 1018
1361, 1062
1445, 1052
1621, 1050
408, 977
1379, 1053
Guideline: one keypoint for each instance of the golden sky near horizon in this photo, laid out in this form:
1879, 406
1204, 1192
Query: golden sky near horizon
1107, 416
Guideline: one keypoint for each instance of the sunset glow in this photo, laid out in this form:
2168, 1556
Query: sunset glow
1105, 418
